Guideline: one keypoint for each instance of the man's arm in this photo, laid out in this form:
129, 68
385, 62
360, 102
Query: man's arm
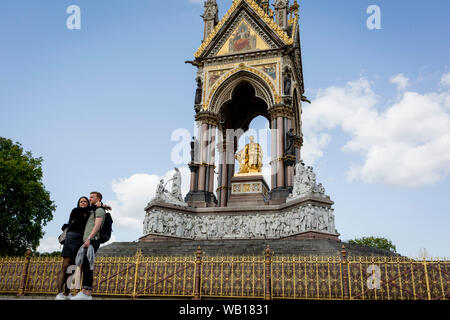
97, 226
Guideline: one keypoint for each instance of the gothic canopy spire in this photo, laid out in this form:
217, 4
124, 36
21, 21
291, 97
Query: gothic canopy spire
210, 16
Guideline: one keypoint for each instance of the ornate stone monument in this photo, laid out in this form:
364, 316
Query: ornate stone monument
248, 65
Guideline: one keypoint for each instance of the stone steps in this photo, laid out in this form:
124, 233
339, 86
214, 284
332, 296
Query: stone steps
316, 247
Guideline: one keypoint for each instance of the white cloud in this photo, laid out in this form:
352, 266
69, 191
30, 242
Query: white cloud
133, 195
408, 144
445, 80
313, 146
48, 245
400, 80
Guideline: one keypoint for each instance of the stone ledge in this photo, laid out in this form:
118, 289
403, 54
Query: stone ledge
305, 247
263, 209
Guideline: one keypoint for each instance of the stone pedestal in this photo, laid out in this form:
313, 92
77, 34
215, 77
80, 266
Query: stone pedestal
248, 190
201, 199
279, 195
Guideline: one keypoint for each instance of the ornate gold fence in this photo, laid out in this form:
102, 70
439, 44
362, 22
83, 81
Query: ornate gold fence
253, 277
307, 278
397, 279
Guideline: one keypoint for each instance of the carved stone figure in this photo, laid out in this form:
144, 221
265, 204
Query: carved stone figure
287, 84
194, 150
305, 183
198, 92
320, 189
321, 224
290, 140
160, 190
176, 186
331, 225
273, 226
174, 197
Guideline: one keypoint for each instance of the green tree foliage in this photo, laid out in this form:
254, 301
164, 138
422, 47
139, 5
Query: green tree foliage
48, 254
375, 242
25, 205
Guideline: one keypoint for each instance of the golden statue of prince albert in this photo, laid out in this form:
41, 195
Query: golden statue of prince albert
250, 158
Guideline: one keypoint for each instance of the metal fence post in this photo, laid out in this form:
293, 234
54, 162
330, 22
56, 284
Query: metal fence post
24, 278
198, 274
268, 286
344, 265
136, 270
427, 281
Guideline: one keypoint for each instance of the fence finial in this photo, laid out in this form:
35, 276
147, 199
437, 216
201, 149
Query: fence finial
268, 273
344, 252
24, 277
139, 252
198, 274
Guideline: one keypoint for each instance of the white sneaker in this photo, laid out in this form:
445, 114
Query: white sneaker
60, 296
69, 297
81, 296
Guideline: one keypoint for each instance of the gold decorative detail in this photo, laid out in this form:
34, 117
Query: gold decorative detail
263, 15
222, 188
293, 11
250, 158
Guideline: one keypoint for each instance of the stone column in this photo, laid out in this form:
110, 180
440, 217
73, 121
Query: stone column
192, 187
289, 168
280, 152
203, 193
212, 158
203, 155
273, 163
224, 177
281, 118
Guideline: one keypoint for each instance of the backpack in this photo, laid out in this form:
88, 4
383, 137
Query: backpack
106, 230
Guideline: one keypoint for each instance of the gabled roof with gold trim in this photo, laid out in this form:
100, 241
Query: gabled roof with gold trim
261, 14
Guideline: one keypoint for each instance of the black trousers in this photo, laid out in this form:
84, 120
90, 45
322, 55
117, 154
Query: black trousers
88, 274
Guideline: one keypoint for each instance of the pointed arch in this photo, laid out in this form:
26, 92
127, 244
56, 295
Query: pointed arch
223, 89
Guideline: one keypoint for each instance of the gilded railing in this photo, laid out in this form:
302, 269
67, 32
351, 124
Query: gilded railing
233, 277
11, 270
307, 278
398, 279
253, 277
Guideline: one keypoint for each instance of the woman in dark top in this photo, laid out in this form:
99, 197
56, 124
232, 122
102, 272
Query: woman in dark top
73, 242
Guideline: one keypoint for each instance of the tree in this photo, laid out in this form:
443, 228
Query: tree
375, 242
57, 254
25, 205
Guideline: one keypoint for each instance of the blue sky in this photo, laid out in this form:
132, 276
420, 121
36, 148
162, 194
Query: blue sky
100, 106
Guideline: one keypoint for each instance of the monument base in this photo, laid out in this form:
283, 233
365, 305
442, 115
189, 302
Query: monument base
279, 195
309, 235
248, 190
293, 219
307, 247
201, 199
